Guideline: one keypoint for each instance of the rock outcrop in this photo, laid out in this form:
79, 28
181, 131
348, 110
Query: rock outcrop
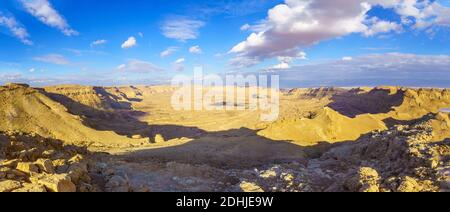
33, 163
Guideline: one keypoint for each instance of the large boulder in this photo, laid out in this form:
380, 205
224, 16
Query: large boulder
159, 139
409, 184
27, 168
366, 179
250, 187
136, 137
78, 169
78, 172
45, 165
54, 183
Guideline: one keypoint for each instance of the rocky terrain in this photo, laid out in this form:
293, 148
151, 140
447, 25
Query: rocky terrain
402, 159
129, 139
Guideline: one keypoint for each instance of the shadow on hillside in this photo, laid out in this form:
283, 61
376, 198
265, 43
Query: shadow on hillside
390, 122
231, 149
354, 103
122, 121
116, 99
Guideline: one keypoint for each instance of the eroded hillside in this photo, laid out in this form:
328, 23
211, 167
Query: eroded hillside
348, 114
33, 110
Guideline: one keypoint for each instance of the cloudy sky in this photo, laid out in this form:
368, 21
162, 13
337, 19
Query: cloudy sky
307, 42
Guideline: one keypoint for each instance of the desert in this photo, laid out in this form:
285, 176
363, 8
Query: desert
128, 139
239, 102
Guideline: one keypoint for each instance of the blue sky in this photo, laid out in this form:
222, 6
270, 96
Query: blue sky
307, 42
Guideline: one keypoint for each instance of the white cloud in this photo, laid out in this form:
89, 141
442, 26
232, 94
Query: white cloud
43, 10
99, 42
347, 58
282, 65
178, 65
195, 50
53, 58
131, 42
181, 60
182, 28
141, 34
169, 51
296, 25
245, 27
121, 66
31, 70
443, 14
15, 28
421, 14
301, 56
377, 26
139, 66
286, 61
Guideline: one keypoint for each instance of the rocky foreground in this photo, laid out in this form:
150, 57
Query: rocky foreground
30, 163
401, 159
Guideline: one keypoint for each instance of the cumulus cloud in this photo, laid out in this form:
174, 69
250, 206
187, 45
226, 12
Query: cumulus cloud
285, 62
44, 11
372, 70
195, 50
139, 66
442, 14
169, 51
182, 28
53, 59
98, 42
418, 13
377, 26
15, 28
297, 24
131, 42
282, 65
